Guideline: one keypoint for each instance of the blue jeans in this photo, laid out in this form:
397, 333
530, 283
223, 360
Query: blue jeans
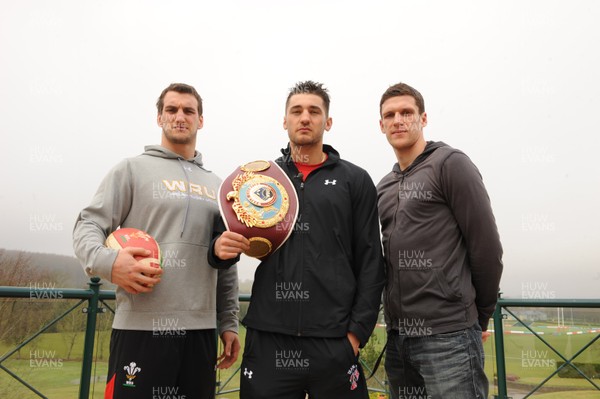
441, 366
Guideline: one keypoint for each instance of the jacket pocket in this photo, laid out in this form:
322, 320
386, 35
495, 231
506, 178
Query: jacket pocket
426, 296
346, 251
391, 299
349, 350
249, 343
449, 293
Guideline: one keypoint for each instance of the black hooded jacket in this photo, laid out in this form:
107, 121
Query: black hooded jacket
327, 279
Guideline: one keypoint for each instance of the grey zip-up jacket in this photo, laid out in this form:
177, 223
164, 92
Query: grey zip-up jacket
441, 244
175, 201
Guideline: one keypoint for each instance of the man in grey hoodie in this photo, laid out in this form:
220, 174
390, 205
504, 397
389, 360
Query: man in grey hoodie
443, 256
163, 338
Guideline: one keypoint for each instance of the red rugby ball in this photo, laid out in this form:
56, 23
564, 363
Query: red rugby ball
134, 238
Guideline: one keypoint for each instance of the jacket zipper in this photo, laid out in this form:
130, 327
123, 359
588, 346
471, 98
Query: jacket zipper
301, 194
302, 244
301, 259
396, 268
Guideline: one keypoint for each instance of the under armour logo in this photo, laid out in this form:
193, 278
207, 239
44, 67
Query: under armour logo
330, 182
248, 373
188, 168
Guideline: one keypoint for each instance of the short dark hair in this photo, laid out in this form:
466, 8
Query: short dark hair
402, 89
179, 88
310, 87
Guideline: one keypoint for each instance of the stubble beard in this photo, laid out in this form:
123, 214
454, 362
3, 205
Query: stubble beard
174, 139
302, 140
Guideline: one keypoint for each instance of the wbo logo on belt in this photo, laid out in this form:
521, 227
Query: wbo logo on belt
259, 201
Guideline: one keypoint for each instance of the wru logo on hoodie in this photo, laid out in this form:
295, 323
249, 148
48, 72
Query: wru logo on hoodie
181, 188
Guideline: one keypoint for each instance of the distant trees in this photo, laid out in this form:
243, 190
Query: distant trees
22, 317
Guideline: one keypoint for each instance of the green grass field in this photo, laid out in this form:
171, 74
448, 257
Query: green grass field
529, 361
572, 395
43, 364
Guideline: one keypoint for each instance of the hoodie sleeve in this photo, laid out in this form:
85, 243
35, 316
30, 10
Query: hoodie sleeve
228, 305
213, 260
470, 204
369, 266
109, 206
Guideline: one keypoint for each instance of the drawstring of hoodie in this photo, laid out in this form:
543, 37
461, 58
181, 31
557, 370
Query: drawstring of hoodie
189, 193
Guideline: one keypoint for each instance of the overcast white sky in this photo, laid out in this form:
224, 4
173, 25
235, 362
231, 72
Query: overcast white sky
514, 84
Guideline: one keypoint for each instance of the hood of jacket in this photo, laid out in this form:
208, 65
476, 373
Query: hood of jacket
162, 152
429, 149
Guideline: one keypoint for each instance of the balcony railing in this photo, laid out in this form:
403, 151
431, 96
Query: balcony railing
93, 302
505, 309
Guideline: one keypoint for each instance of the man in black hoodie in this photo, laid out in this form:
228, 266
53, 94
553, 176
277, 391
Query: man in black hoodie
443, 256
316, 299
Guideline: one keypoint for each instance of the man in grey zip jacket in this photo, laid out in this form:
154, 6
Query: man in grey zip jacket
163, 337
443, 256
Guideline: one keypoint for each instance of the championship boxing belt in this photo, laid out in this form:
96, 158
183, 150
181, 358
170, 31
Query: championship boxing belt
258, 201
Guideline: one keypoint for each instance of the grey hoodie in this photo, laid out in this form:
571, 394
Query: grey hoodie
175, 201
441, 244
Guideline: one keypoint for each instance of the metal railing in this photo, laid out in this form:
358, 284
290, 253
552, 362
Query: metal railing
94, 297
502, 311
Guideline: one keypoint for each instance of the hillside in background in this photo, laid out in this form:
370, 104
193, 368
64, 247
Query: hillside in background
23, 268
65, 271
